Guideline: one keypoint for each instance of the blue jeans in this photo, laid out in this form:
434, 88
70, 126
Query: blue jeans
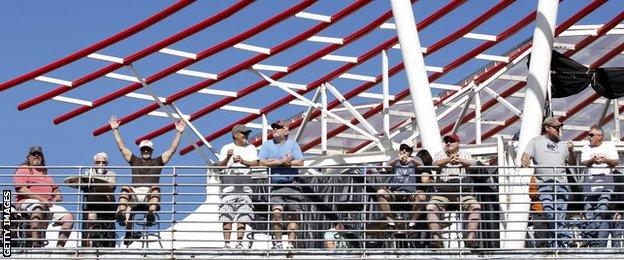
598, 225
554, 199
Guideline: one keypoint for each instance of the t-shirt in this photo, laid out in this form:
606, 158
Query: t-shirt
24, 177
271, 150
452, 172
545, 152
599, 173
406, 176
146, 175
237, 176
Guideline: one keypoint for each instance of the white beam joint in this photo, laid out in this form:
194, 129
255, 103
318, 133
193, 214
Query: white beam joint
54, 81
358, 77
270, 67
252, 48
73, 101
179, 53
241, 109
316, 17
217, 92
323, 39
198, 74
479, 36
103, 57
349, 59
144, 97
489, 57
118, 76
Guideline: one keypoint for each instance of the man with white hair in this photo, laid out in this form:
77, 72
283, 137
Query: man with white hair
100, 196
145, 188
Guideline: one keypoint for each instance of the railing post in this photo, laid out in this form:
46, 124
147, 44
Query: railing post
173, 208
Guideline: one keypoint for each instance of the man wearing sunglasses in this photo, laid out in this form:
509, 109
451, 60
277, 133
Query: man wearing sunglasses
100, 198
598, 156
450, 178
37, 195
145, 181
550, 155
235, 201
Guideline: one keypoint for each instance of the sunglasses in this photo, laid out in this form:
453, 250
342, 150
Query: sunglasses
555, 127
449, 141
36, 154
592, 135
100, 162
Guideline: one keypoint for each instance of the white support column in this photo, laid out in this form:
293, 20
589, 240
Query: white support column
416, 76
324, 119
537, 82
306, 119
616, 121
477, 102
265, 128
385, 88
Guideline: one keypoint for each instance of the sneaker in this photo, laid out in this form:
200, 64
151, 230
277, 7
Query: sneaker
471, 243
288, 246
121, 219
391, 224
277, 246
227, 246
239, 246
150, 218
411, 225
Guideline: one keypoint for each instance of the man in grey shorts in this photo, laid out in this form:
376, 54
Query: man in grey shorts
235, 203
280, 154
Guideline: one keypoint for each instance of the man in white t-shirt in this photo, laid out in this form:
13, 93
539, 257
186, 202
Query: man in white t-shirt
235, 201
599, 156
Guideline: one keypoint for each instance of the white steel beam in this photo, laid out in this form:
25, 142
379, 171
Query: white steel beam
165, 115
253, 48
199, 74
324, 119
513, 78
118, 76
265, 128
241, 109
306, 118
417, 76
342, 58
103, 57
445, 86
54, 81
145, 97
479, 36
269, 67
489, 57
74, 101
351, 109
217, 92
357, 77
503, 101
374, 96
183, 54
323, 39
477, 102
385, 89
312, 16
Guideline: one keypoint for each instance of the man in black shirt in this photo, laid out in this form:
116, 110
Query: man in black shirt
144, 188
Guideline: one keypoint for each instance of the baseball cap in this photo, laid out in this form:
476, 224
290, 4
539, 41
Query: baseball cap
35, 149
451, 137
551, 121
146, 143
279, 124
240, 128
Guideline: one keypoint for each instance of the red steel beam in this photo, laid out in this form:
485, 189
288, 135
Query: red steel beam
98, 46
139, 55
186, 62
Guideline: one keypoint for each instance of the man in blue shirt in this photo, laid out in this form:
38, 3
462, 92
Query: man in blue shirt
279, 155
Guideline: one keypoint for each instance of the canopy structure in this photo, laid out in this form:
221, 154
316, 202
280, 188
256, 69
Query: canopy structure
239, 65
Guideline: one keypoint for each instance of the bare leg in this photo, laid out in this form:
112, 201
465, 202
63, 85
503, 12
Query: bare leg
227, 228
240, 228
473, 220
383, 198
37, 223
277, 223
434, 225
418, 205
293, 227
91, 219
67, 222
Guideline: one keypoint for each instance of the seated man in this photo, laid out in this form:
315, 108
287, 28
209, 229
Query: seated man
144, 189
403, 186
236, 205
452, 161
97, 199
280, 154
36, 195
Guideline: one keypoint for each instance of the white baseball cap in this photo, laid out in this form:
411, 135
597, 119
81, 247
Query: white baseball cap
146, 143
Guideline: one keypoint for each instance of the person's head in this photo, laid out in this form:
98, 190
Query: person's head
280, 131
35, 156
552, 128
451, 143
425, 156
596, 136
406, 149
240, 133
100, 160
146, 147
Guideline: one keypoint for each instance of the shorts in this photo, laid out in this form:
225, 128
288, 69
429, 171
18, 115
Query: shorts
235, 208
442, 201
55, 213
288, 199
139, 194
398, 195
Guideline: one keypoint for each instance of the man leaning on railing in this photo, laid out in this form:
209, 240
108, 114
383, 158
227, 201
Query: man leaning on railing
553, 189
598, 188
236, 205
452, 175
280, 154
144, 188
37, 195
100, 198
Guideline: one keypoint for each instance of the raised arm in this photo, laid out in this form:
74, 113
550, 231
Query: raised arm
571, 156
180, 126
114, 124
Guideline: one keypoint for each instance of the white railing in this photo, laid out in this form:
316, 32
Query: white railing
341, 204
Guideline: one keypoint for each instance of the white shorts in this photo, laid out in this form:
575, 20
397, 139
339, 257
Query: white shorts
55, 213
140, 194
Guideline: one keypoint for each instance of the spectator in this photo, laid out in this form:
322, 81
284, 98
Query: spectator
235, 202
279, 155
548, 150
37, 195
453, 160
598, 156
144, 188
100, 195
333, 237
403, 186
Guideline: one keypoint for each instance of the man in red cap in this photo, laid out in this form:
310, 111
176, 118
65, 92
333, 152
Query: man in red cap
453, 173
145, 181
